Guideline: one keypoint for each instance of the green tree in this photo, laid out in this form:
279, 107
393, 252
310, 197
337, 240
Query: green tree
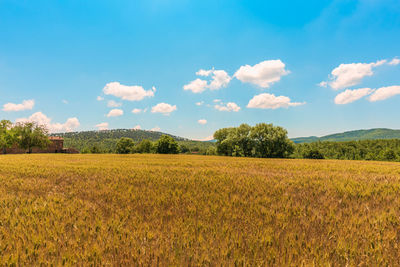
144, 146
7, 135
167, 145
313, 154
184, 148
125, 145
31, 134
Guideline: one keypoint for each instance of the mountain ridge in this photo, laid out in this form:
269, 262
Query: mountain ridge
363, 134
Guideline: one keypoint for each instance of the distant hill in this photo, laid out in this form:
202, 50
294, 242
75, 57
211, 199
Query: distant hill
106, 140
136, 135
371, 134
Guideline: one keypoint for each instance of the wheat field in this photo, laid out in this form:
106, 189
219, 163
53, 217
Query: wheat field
183, 210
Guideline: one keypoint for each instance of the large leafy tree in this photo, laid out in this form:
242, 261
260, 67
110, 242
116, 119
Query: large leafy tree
30, 135
167, 145
7, 135
271, 141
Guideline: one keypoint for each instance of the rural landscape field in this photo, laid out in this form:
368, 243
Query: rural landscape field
197, 210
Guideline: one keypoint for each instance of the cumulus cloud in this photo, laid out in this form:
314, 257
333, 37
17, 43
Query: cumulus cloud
219, 79
202, 121
137, 127
200, 103
349, 96
115, 113
26, 105
136, 110
100, 98
394, 62
263, 74
113, 104
155, 129
196, 86
270, 101
231, 106
217, 100
102, 126
347, 75
131, 93
65, 101
323, 84
384, 93
208, 138
163, 108
70, 125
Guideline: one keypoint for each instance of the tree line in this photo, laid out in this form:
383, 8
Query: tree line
24, 135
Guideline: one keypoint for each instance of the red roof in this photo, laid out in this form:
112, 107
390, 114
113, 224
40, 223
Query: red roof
55, 138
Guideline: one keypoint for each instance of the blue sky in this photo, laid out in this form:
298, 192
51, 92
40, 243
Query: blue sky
313, 67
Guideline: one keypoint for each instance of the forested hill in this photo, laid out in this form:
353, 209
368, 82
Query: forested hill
372, 134
106, 140
136, 135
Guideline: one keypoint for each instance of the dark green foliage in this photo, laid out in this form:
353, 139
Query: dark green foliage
144, 146
167, 145
388, 150
8, 135
313, 154
125, 145
263, 140
184, 149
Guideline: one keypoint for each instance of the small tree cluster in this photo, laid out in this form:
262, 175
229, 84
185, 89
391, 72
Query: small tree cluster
26, 135
165, 145
263, 140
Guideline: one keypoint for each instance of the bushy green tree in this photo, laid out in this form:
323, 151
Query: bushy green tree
7, 135
167, 145
313, 154
262, 140
125, 145
144, 146
31, 134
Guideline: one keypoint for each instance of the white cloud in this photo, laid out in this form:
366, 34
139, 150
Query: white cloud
200, 103
270, 101
196, 86
323, 84
228, 107
217, 100
347, 75
65, 101
394, 62
70, 125
202, 121
163, 108
113, 104
136, 110
263, 74
102, 126
155, 129
385, 93
115, 113
137, 127
26, 105
349, 96
100, 98
208, 138
131, 93
219, 79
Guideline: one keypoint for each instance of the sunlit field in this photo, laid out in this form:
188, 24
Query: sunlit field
197, 210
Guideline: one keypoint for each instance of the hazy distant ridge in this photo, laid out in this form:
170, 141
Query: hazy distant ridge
371, 134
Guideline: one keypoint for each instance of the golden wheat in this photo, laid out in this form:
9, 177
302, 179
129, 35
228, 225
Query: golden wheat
197, 210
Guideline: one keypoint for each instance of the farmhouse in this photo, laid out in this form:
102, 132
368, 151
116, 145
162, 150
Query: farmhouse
56, 145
